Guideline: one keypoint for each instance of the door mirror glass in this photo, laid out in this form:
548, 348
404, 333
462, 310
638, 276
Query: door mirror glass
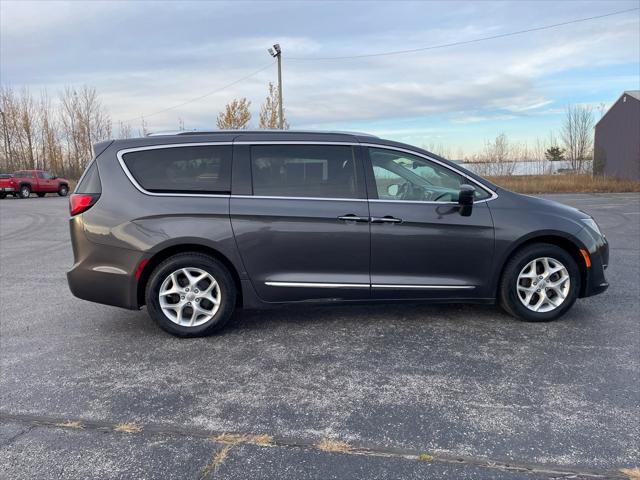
393, 189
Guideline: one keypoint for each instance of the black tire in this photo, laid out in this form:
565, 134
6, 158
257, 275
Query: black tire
3, 195
508, 293
191, 260
41, 194
25, 191
63, 190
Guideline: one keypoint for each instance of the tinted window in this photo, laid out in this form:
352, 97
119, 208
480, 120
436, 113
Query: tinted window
323, 171
24, 174
401, 176
45, 175
205, 169
90, 182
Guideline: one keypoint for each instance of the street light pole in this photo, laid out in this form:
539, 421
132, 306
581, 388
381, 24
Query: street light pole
276, 52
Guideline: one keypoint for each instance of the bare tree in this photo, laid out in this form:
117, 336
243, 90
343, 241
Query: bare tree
498, 157
269, 110
143, 131
236, 115
124, 130
85, 122
577, 135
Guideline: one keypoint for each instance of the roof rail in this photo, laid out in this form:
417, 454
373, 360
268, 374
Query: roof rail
210, 132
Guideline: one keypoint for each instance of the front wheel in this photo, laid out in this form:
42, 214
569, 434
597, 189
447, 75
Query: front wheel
540, 283
190, 295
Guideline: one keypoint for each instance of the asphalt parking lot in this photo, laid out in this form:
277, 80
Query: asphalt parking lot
483, 395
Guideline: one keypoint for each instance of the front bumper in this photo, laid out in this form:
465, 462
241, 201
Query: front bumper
595, 281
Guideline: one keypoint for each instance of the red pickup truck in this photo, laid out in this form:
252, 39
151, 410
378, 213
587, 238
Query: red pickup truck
25, 182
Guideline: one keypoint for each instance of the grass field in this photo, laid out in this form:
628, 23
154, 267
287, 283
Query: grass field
565, 184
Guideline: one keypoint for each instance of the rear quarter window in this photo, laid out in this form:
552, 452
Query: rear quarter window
201, 169
90, 181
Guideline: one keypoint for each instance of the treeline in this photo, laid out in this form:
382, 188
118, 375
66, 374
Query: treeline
573, 144
37, 134
57, 133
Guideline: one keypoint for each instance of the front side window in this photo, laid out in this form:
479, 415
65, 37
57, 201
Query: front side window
201, 169
45, 175
402, 176
321, 171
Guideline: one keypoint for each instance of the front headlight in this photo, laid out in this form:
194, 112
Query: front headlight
591, 223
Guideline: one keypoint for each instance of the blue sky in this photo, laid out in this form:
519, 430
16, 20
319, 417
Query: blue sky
147, 56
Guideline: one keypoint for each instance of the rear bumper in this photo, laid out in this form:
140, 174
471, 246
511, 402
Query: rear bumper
102, 273
7, 189
595, 279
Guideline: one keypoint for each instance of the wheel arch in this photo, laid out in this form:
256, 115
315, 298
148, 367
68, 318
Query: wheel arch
569, 243
168, 251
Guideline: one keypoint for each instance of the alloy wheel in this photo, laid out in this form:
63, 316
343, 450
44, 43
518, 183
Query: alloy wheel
190, 297
543, 284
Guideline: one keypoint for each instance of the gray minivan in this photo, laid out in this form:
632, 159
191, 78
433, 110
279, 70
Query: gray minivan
194, 225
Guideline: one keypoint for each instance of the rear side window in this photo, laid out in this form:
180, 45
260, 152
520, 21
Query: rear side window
322, 171
203, 169
90, 181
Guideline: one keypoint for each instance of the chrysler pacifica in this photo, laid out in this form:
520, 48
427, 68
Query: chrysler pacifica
196, 225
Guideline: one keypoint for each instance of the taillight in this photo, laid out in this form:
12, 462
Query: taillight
81, 202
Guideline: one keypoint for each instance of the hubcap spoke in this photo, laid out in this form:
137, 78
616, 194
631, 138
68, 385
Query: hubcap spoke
180, 297
543, 284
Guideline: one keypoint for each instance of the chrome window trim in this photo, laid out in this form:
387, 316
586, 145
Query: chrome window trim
139, 187
331, 199
122, 152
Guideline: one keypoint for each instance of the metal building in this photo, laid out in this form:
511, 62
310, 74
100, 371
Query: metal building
617, 139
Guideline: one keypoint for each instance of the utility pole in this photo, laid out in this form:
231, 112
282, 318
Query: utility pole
276, 52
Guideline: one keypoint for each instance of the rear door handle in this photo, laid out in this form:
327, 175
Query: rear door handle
353, 218
386, 219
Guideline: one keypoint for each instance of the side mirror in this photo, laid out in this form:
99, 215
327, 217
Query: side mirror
53, 177
393, 189
465, 199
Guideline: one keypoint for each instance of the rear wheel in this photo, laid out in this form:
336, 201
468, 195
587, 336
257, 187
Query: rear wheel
3, 195
540, 283
41, 194
190, 295
25, 191
63, 190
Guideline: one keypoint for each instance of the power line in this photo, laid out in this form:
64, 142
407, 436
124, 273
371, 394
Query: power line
464, 42
202, 96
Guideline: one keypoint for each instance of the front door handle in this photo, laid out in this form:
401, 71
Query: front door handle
386, 219
353, 218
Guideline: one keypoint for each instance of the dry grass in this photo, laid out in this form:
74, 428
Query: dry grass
128, 428
632, 473
425, 457
327, 445
565, 184
218, 459
71, 424
235, 438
